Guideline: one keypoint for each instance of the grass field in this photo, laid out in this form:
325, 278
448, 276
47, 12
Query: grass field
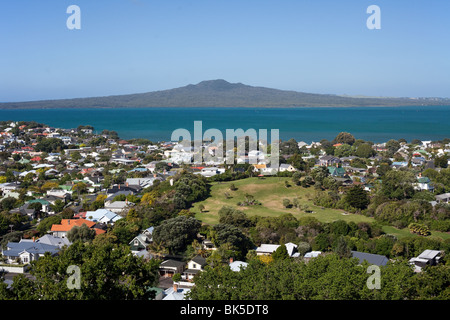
271, 191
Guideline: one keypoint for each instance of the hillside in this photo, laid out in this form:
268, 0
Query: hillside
220, 93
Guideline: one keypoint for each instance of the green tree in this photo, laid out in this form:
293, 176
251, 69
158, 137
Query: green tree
344, 138
365, 151
82, 233
397, 184
357, 197
280, 253
176, 233
342, 249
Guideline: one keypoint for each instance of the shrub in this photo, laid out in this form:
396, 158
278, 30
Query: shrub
419, 229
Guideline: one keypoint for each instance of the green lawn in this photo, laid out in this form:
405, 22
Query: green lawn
271, 191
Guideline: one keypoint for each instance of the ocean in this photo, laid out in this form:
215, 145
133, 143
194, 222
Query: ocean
376, 124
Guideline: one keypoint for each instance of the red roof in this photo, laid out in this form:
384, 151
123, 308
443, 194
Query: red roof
68, 224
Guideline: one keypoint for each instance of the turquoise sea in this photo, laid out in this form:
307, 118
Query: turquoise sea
377, 124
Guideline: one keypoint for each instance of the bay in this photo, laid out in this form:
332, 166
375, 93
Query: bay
377, 124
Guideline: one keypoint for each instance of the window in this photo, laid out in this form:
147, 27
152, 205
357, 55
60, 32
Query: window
194, 265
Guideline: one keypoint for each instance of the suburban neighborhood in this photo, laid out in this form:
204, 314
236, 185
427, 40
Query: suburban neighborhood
65, 186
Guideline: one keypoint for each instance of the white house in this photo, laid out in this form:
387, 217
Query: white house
269, 249
286, 167
118, 206
211, 171
102, 216
26, 251
194, 266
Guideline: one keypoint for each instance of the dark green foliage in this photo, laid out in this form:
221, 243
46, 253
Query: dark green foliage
344, 138
324, 278
176, 233
365, 151
189, 188
46, 223
82, 233
231, 216
281, 253
342, 249
357, 197
50, 145
227, 234
397, 184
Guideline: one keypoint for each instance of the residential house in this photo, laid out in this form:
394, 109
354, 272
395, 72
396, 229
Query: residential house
269, 249
141, 241
60, 230
62, 194
237, 266
170, 267
328, 161
175, 293
424, 183
118, 206
255, 156
266, 249
142, 182
336, 172
53, 241
286, 167
211, 171
427, 257
375, 259
102, 216
194, 266
26, 251
312, 254
399, 164
44, 203
208, 245
443, 198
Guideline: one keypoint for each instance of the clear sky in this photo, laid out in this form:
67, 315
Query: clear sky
132, 46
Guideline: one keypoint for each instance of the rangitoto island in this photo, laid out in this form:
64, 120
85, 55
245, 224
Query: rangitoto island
221, 93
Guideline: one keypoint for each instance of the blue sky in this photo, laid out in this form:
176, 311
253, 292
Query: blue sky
131, 46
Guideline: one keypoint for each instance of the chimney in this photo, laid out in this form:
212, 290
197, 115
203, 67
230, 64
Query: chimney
231, 260
175, 287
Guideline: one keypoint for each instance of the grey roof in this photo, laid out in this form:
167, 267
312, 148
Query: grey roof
200, 260
192, 271
237, 265
15, 248
53, 241
171, 263
145, 254
429, 254
376, 259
